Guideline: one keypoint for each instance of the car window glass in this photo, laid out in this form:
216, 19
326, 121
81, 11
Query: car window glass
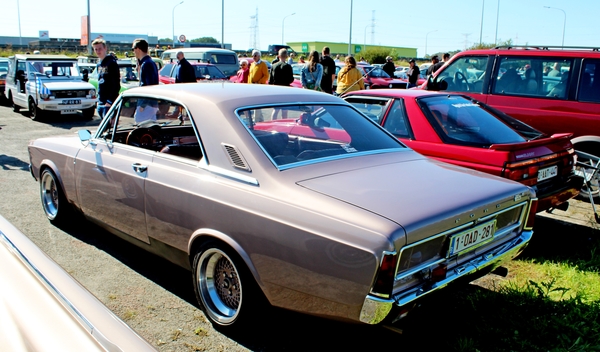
291, 134
462, 121
465, 74
128, 73
166, 70
372, 108
396, 121
532, 76
589, 83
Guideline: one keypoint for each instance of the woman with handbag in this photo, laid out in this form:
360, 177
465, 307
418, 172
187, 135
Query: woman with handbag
349, 78
312, 72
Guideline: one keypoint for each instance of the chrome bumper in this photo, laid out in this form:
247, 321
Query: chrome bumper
375, 309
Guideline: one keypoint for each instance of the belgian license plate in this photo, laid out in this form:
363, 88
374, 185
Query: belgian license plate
70, 102
64, 112
472, 237
549, 172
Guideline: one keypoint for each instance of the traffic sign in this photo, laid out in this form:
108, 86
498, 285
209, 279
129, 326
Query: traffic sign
182, 38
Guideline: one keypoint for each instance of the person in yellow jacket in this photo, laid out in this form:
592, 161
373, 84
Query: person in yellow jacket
259, 72
349, 78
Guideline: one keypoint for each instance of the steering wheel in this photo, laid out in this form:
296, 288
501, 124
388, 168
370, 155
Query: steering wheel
459, 76
142, 137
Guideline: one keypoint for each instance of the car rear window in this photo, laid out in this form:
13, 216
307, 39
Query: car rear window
295, 134
462, 121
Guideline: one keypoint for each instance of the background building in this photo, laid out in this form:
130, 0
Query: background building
342, 48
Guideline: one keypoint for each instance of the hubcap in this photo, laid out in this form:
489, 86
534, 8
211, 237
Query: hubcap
219, 286
49, 193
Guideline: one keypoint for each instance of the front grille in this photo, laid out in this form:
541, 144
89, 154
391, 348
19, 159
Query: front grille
61, 94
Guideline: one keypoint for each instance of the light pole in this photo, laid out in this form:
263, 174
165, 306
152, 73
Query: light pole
173, 15
564, 22
497, 17
282, 22
19, 16
426, 35
350, 37
481, 27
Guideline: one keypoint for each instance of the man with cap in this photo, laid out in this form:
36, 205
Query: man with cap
259, 72
413, 74
389, 66
434, 60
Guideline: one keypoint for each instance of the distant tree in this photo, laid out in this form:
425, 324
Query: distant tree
490, 45
376, 55
204, 40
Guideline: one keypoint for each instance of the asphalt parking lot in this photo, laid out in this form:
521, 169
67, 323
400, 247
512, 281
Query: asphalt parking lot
156, 297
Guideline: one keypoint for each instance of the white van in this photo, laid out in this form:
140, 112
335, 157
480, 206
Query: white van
226, 60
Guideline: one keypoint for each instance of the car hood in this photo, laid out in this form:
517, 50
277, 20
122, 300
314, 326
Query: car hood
421, 195
67, 85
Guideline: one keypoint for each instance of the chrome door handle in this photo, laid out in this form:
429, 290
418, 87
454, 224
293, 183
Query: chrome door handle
139, 168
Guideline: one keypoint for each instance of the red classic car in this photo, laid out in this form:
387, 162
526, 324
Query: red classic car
460, 130
204, 72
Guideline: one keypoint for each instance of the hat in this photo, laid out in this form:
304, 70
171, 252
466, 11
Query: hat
411, 60
255, 52
435, 57
389, 58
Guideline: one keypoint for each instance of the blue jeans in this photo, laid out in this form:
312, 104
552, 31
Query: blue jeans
102, 110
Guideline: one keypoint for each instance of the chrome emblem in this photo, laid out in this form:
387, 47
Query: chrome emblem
517, 197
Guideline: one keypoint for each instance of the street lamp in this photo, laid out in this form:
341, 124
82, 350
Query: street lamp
350, 36
481, 29
173, 14
19, 16
564, 22
282, 22
365, 38
497, 17
426, 35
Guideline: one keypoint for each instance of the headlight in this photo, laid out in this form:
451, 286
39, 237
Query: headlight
45, 96
91, 94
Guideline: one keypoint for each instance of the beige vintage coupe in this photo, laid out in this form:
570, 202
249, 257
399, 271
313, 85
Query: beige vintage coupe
321, 212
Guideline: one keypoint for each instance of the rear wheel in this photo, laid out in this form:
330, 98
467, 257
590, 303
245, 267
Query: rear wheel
53, 198
224, 286
34, 111
583, 170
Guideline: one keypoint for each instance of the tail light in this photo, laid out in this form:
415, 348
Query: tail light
531, 214
384, 281
526, 172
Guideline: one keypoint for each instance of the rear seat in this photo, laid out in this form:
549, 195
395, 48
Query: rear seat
274, 143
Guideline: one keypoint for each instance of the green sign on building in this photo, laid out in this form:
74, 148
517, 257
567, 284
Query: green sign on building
357, 49
304, 47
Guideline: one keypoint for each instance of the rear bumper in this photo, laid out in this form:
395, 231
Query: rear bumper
551, 197
375, 309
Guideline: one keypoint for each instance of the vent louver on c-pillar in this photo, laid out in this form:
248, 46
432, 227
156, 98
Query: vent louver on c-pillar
235, 157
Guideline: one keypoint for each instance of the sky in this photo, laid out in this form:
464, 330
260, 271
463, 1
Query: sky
432, 26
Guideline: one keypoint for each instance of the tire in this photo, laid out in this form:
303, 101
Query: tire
54, 202
224, 287
88, 114
594, 188
34, 112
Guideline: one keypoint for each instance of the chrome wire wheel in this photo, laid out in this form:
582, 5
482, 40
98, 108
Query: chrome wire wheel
219, 286
50, 195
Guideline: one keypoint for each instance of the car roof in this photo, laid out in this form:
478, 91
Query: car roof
391, 93
533, 50
43, 57
233, 95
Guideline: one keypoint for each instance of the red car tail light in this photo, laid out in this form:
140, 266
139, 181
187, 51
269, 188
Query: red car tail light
384, 281
526, 172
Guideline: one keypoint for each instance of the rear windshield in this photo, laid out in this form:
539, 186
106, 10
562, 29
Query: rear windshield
460, 120
294, 134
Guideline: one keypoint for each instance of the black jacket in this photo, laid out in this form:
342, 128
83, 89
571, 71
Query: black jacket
389, 68
185, 72
281, 74
109, 80
328, 70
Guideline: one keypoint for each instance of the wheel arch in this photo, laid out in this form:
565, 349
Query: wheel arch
203, 235
49, 164
588, 144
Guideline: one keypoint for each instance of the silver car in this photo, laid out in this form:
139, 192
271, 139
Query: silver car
42, 308
282, 194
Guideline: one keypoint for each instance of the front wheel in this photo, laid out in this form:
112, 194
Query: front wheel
224, 286
34, 112
53, 198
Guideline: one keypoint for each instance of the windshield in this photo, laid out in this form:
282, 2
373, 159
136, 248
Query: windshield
54, 69
462, 121
128, 73
292, 134
212, 72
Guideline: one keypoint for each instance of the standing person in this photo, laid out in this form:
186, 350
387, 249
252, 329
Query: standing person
363, 61
259, 72
439, 65
185, 71
312, 72
109, 77
337, 58
281, 73
148, 70
328, 71
349, 77
290, 61
243, 72
389, 66
413, 74
434, 60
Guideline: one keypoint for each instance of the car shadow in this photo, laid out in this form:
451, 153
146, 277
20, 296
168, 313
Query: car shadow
8, 162
65, 121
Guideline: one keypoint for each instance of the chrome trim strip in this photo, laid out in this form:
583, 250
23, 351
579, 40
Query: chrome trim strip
375, 309
230, 174
77, 314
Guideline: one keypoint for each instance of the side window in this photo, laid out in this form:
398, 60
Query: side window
372, 108
531, 76
166, 70
396, 121
589, 82
465, 74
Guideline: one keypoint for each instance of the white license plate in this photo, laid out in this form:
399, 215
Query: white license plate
472, 237
70, 102
549, 172
64, 112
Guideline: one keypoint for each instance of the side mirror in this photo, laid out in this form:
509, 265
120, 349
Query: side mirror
432, 83
84, 135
